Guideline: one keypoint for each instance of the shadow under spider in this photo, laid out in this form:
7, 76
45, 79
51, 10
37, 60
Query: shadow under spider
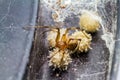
57, 72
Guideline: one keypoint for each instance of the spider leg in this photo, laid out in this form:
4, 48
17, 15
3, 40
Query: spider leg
29, 27
76, 47
73, 39
48, 31
73, 28
62, 58
45, 31
50, 27
78, 42
64, 37
58, 35
85, 35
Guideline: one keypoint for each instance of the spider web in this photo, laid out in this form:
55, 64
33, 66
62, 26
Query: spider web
76, 7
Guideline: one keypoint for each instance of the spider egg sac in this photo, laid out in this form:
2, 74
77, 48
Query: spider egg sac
89, 21
59, 59
82, 39
51, 36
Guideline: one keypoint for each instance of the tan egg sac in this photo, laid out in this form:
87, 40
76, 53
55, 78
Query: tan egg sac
89, 21
59, 59
51, 36
83, 42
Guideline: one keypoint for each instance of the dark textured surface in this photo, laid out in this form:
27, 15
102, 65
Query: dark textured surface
15, 42
88, 66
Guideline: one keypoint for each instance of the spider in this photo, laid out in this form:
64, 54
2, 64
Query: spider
60, 55
64, 44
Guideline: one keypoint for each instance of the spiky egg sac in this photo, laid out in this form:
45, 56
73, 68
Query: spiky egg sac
51, 36
59, 59
89, 21
82, 41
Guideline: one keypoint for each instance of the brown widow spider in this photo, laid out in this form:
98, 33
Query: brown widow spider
65, 44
